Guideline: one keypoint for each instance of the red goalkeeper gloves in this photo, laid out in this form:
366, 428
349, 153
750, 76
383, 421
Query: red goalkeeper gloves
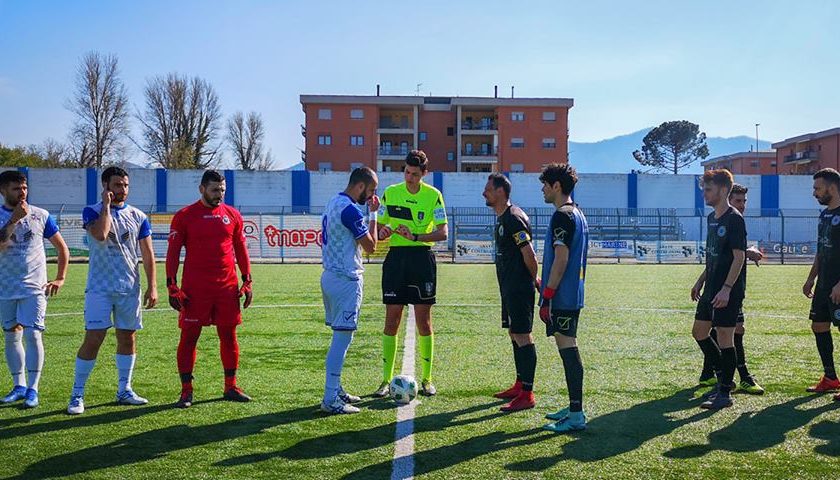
177, 298
545, 307
245, 290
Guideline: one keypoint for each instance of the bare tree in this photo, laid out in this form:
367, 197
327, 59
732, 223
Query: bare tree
100, 103
180, 122
245, 138
55, 153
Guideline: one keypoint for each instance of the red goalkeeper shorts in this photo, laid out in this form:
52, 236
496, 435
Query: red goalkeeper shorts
219, 306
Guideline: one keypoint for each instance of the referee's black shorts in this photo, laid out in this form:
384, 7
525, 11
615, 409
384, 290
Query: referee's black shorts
518, 310
409, 276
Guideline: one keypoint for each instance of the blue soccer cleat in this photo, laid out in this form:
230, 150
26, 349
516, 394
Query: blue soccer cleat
576, 421
559, 415
17, 393
31, 398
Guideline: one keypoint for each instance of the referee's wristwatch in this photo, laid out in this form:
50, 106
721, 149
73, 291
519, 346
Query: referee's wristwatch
415, 237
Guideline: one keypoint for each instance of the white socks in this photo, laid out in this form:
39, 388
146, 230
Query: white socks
15, 355
125, 368
34, 356
83, 369
335, 363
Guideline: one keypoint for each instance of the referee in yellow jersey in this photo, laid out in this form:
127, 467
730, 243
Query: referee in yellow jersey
414, 216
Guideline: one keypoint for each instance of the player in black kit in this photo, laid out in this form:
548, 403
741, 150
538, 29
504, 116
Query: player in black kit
825, 299
516, 270
722, 298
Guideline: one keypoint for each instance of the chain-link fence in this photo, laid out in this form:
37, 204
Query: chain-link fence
638, 235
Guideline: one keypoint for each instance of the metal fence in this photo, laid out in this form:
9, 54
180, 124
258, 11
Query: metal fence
638, 235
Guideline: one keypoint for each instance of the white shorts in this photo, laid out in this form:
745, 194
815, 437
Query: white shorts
342, 300
27, 312
106, 310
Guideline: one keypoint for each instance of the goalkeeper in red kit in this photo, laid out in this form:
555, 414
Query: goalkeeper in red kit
211, 232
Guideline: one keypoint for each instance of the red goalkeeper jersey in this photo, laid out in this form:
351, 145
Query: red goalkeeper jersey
214, 242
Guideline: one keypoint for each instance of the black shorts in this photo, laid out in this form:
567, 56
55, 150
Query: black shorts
720, 317
409, 276
518, 310
823, 310
564, 322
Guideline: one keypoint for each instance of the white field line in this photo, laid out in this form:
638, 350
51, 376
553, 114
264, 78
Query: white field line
678, 311
403, 465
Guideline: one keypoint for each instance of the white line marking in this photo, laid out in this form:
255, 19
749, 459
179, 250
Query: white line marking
680, 311
403, 466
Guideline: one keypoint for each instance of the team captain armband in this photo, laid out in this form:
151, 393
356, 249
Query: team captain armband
521, 238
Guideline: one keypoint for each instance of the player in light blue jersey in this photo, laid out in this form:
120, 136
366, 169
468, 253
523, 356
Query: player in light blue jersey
23, 284
118, 235
344, 234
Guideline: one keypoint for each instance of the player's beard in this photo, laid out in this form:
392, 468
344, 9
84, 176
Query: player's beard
363, 198
212, 201
824, 199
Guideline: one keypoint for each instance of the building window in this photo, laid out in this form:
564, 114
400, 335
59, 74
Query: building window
517, 116
450, 156
754, 163
324, 114
517, 143
773, 164
423, 136
450, 131
549, 116
356, 165
324, 166
517, 167
549, 143
357, 140
324, 139
357, 114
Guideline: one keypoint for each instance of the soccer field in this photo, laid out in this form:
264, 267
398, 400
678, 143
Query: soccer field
641, 369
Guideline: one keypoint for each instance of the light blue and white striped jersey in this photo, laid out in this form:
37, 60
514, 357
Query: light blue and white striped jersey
23, 263
341, 225
113, 264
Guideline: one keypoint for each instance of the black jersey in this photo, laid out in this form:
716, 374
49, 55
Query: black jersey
725, 234
828, 250
512, 232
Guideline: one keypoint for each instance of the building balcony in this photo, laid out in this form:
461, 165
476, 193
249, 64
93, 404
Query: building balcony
393, 152
807, 156
391, 125
484, 126
486, 154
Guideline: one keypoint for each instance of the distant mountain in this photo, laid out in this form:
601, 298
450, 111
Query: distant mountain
614, 155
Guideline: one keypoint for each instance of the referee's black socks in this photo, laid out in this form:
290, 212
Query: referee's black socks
825, 345
517, 360
711, 353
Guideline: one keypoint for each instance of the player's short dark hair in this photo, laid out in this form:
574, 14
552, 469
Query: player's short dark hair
417, 158
500, 181
564, 173
113, 172
11, 176
830, 175
738, 189
362, 175
211, 176
721, 177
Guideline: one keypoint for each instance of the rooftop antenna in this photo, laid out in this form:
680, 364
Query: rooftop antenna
417, 90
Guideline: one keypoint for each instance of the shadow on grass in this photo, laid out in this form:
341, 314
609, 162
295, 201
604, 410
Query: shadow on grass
351, 442
620, 432
158, 443
755, 431
85, 420
829, 431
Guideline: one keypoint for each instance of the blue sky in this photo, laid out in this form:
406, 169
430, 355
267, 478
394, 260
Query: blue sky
628, 65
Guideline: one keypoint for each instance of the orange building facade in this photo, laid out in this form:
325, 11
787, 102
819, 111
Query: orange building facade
458, 134
745, 163
808, 153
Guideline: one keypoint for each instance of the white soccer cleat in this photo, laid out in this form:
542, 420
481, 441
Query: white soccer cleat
128, 397
338, 407
77, 405
383, 391
348, 398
